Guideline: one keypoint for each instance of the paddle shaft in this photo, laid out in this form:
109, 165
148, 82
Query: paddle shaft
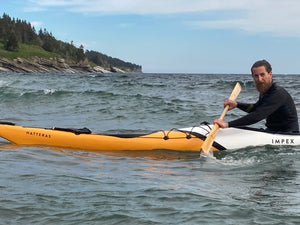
207, 144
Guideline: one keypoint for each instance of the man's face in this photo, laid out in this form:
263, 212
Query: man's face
262, 79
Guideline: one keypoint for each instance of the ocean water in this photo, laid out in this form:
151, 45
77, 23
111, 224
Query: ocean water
257, 185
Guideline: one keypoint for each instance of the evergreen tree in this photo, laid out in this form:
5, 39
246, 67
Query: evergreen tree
12, 43
80, 54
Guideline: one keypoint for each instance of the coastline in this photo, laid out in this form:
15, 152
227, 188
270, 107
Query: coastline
51, 65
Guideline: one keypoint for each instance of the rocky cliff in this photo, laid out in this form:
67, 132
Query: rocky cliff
52, 65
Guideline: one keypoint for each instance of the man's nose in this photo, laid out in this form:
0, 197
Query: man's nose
260, 78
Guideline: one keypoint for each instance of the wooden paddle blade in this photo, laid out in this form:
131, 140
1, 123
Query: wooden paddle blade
207, 144
236, 91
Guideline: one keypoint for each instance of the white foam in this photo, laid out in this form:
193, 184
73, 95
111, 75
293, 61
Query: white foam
3, 83
49, 91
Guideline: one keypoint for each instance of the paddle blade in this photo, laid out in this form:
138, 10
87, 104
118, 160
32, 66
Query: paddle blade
207, 144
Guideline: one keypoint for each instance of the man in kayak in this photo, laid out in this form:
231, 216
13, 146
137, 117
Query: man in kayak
274, 104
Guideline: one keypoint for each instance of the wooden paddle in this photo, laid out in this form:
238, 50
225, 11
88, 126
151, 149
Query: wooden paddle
207, 144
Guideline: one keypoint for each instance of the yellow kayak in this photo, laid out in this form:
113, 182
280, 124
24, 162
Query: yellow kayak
84, 139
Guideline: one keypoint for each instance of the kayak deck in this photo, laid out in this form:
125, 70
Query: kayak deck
86, 140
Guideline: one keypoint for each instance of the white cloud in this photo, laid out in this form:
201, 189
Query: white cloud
255, 16
36, 24
53, 2
126, 25
279, 18
143, 7
34, 9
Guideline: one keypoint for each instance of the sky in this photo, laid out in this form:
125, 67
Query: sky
175, 36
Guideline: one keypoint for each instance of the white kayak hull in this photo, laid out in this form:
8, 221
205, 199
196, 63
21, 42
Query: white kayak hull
235, 138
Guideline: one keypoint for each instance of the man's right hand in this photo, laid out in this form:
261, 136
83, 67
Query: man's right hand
221, 123
232, 104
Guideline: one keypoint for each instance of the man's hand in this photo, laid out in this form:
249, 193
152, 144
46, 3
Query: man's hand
232, 104
221, 123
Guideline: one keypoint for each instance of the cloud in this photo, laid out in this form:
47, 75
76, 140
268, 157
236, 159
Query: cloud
36, 24
54, 2
142, 7
34, 9
43, 5
148, 7
280, 18
254, 16
126, 25
275, 17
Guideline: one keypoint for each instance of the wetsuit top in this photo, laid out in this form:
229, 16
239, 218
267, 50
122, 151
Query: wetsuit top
276, 106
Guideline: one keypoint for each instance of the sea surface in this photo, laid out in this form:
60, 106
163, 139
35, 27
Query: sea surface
39, 185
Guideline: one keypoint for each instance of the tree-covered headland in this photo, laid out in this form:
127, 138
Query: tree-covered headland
18, 38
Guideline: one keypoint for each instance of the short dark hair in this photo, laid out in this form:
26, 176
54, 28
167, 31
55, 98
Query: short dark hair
264, 63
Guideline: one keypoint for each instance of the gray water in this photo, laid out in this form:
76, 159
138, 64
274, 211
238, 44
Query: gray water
257, 185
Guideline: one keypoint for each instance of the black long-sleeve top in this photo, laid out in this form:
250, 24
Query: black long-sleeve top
276, 106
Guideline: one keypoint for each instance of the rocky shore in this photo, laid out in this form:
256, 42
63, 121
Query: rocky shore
52, 65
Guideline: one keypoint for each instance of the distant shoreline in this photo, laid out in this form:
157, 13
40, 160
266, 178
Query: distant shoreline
51, 65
